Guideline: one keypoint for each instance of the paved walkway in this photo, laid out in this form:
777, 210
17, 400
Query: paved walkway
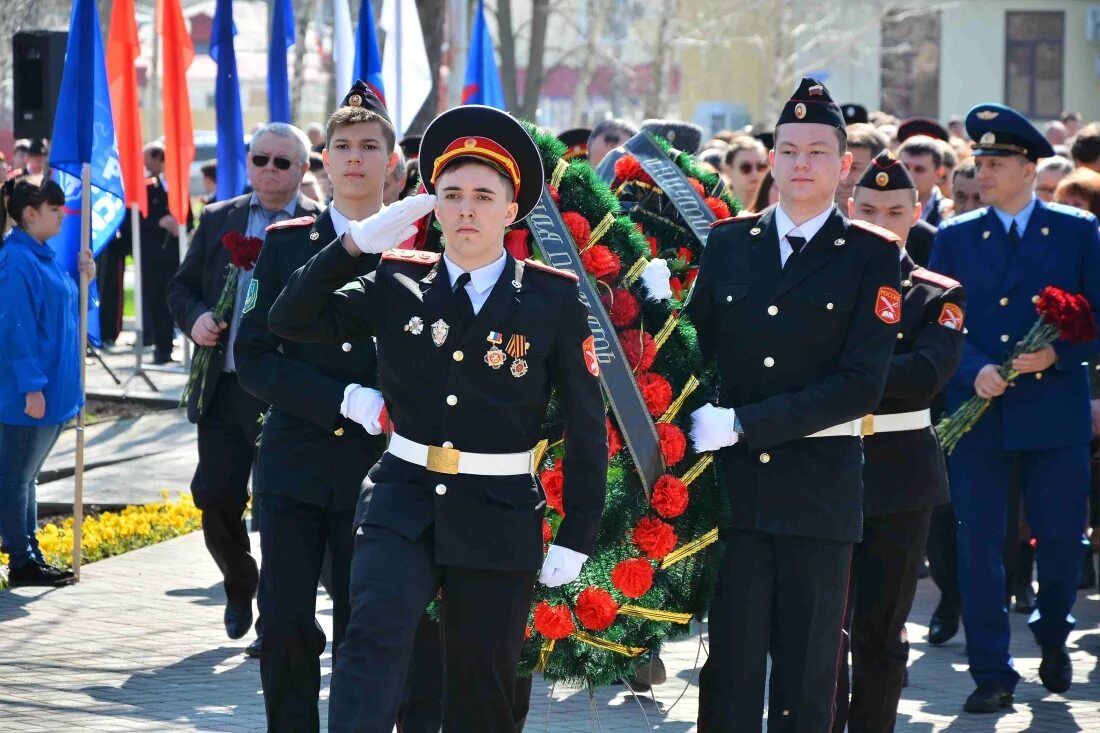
138, 645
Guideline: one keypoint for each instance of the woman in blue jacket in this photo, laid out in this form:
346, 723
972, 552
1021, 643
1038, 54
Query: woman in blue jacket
39, 368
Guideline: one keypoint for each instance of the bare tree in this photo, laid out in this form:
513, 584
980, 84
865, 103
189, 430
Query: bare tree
662, 48
591, 57
540, 19
432, 15
304, 11
506, 40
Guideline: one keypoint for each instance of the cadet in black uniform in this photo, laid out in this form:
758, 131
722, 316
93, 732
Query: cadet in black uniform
469, 345
312, 460
801, 309
904, 475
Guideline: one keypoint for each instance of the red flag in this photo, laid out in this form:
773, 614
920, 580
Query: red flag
179, 135
123, 49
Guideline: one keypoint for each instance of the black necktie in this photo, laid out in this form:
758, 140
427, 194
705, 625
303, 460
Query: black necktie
1014, 236
797, 243
462, 300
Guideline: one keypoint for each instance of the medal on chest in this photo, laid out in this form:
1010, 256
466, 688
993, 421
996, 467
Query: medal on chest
494, 357
440, 329
415, 326
517, 349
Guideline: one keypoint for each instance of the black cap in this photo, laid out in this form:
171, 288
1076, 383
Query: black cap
39, 146
886, 173
362, 95
767, 138
1000, 130
410, 146
922, 126
576, 140
684, 136
490, 136
812, 103
854, 113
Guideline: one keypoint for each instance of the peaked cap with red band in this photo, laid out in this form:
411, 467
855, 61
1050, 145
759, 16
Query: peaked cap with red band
490, 136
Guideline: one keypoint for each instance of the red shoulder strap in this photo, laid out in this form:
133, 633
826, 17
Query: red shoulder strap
878, 231
535, 265
935, 278
417, 256
301, 221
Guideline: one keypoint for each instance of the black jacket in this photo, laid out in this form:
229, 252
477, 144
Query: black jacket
905, 471
441, 390
919, 243
799, 349
308, 451
198, 283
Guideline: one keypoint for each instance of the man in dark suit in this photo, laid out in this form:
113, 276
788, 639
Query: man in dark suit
904, 475
455, 505
919, 243
228, 423
800, 307
312, 460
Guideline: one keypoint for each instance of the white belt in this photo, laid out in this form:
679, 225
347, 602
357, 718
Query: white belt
871, 424
451, 461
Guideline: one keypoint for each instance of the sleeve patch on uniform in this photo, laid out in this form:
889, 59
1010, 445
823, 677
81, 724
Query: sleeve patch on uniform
888, 305
250, 296
590, 359
951, 316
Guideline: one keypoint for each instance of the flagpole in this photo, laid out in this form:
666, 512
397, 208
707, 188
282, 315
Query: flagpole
85, 250
139, 309
184, 244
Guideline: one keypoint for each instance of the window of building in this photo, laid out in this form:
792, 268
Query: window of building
910, 63
1034, 62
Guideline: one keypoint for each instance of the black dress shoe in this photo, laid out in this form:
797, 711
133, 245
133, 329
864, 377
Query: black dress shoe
252, 651
988, 698
39, 575
238, 618
943, 626
1025, 598
1055, 670
1088, 572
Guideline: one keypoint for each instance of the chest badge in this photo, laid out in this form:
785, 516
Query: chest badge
495, 358
590, 359
440, 329
518, 368
888, 305
951, 316
415, 326
517, 346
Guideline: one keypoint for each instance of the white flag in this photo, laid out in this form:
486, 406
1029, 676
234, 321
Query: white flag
343, 48
405, 70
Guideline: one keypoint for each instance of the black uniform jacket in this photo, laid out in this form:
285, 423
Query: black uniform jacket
799, 349
905, 471
308, 451
198, 283
919, 243
441, 389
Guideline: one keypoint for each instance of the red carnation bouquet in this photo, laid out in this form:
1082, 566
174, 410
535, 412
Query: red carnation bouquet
1063, 316
243, 253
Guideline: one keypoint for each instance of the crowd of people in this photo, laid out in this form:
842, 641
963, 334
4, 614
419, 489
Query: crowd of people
833, 307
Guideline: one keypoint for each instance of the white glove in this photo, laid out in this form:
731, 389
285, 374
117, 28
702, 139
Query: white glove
712, 428
364, 406
391, 226
561, 566
655, 277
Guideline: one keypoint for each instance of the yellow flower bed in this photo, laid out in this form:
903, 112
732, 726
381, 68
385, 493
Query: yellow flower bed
113, 533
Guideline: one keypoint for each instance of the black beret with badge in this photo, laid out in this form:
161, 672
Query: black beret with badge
490, 136
999, 130
922, 126
854, 113
684, 136
361, 95
812, 104
886, 173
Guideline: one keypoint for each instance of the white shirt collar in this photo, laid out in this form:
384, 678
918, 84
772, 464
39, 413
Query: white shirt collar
339, 222
483, 278
785, 226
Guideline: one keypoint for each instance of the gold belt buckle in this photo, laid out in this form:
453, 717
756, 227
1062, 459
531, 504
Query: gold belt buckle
868, 426
443, 460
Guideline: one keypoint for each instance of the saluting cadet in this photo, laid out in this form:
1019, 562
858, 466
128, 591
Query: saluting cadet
904, 475
800, 307
312, 460
1004, 254
470, 344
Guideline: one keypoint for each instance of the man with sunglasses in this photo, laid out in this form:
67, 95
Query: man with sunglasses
606, 136
228, 424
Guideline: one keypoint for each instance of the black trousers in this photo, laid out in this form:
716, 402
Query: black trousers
884, 580
109, 271
943, 559
293, 539
484, 615
227, 450
782, 595
160, 258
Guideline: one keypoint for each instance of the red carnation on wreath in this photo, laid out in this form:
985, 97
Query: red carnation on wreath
579, 228
554, 195
622, 307
595, 608
639, 349
600, 262
552, 480
656, 391
673, 443
629, 168
614, 439
654, 537
698, 186
719, 207
243, 251
633, 578
553, 622
670, 497
547, 531
515, 241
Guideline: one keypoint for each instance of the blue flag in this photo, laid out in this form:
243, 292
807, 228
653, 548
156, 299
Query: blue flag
80, 137
482, 83
278, 79
227, 105
368, 61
